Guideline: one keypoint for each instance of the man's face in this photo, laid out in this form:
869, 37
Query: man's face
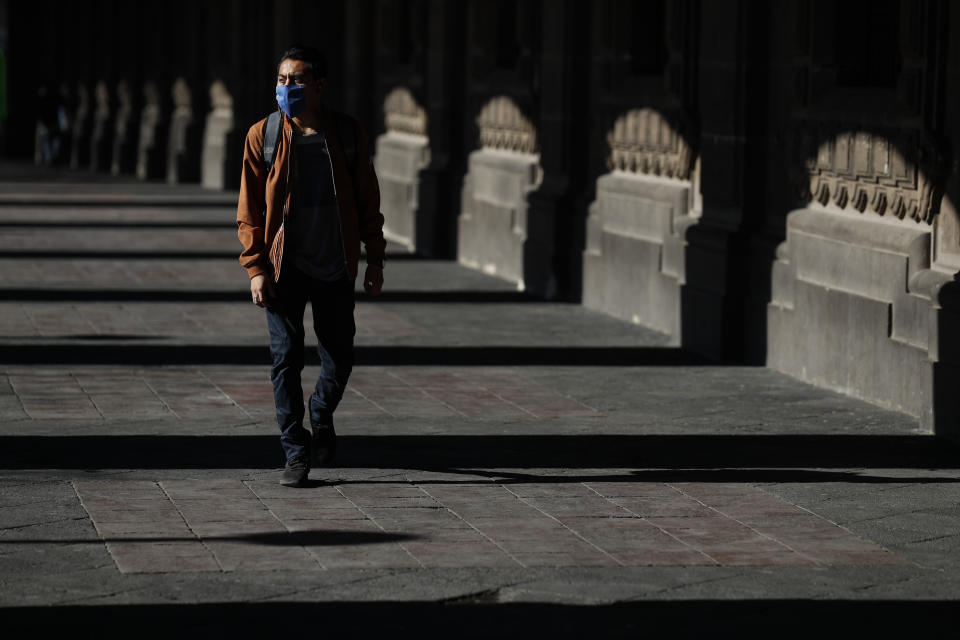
298, 72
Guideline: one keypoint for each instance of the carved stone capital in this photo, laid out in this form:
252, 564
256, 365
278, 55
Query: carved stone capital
503, 126
644, 141
887, 175
402, 113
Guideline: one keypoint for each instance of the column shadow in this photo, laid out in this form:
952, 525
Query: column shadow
664, 457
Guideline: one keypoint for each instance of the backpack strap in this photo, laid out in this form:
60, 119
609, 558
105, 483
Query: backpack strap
271, 135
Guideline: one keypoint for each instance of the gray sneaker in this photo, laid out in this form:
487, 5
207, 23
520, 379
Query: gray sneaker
295, 472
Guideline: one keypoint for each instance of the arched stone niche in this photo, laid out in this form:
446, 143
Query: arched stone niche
492, 227
219, 125
633, 264
401, 153
149, 143
182, 149
862, 300
101, 136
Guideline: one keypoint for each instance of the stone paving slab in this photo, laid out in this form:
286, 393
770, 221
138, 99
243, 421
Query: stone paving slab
495, 449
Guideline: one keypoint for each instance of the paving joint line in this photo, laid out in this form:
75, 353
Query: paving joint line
256, 495
563, 395
469, 524
103, 541
33, 321
371, 401
159, 397
684, 585
190, 529
562, 524
379, 526
661, 529
899, 581
87, 394
16, 395
101, 596
753, 529
838, 525
505, 400
37, 524
388, 573
86, 319
204, 375
424, 392
931, 539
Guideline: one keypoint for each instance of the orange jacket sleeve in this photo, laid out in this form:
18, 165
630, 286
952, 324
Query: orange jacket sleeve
251, 207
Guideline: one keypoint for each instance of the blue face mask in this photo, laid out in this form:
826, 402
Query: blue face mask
291, 99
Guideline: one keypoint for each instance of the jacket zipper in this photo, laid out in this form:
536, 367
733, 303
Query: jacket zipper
278, 254
333, 181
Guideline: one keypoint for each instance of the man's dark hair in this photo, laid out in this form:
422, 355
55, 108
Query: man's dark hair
310, 55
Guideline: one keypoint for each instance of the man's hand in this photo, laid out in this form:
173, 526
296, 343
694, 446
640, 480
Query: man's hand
373, 279
261, 290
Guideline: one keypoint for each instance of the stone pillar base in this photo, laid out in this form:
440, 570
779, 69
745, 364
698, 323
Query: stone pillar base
633, 266
399, 159
492, 226
856, 308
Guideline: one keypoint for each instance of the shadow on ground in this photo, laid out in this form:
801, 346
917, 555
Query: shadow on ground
665, 458
242, 295
481, 617
365, 355
270, 539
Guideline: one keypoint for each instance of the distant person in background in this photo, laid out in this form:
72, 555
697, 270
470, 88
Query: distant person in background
53, 125
308, 198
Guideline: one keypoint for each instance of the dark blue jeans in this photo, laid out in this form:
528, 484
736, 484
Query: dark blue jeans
332, 304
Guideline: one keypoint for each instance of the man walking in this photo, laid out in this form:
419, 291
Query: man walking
308, 197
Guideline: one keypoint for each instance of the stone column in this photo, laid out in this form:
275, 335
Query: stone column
501, 86
634, 258
80, 146
493, 223
642, 103
219, 124
401, 153
550, 213
184, 141
125, 130
438, 197
101, 137
712, 296
865, 293
151, 146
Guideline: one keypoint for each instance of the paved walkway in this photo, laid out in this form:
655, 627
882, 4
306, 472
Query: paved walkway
494, 449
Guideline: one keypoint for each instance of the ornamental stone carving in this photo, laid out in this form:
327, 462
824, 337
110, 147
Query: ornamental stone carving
643, 141
868, 172
402, 114
503, 126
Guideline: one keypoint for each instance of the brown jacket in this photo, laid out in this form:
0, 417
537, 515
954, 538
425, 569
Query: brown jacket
265, 199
